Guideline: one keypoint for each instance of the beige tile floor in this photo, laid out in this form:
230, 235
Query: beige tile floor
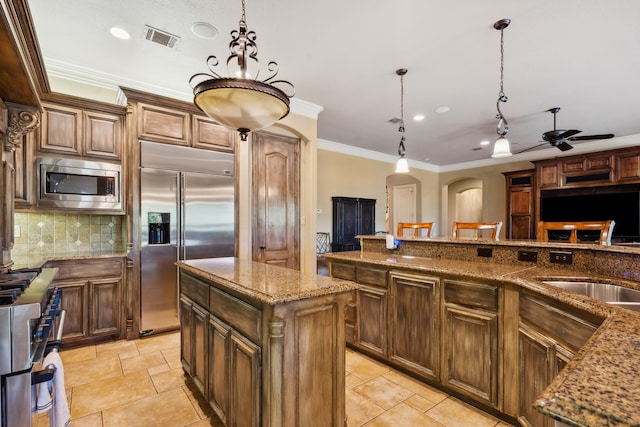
141, 383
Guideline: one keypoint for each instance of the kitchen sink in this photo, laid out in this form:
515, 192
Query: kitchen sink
606, 292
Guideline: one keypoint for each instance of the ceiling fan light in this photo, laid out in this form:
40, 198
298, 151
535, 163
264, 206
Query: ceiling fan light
501, 148
402, 166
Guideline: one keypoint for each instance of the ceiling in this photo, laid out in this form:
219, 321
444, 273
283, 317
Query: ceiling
580, 55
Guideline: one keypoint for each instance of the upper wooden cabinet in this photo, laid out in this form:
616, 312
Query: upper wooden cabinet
169, 121
620, 166
82, 128
520, 198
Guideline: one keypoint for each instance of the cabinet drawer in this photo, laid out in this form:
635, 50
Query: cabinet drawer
343, 271
571, 327
87, 268
471, 294
195, 289
240, 315
371, 276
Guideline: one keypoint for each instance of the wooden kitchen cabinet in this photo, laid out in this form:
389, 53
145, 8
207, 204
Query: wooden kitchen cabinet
169, 121
219, 354
261, 357
550, 333
470, 340
348, 272
91, 295
234, 375
79, 128
372, 310
541, 359
245, 382
414, 323
209, 135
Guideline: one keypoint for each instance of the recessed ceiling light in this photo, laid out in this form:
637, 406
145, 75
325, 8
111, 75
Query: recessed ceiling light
418, 117
485, 142
204, 30
119, 33
442, 109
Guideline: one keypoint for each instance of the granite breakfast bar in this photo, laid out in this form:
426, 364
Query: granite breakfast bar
264, 344
587, 350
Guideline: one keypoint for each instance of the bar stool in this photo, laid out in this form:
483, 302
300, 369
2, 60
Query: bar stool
416, 227
604, 227
495, 228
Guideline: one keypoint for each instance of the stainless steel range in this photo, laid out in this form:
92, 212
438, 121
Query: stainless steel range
30, 319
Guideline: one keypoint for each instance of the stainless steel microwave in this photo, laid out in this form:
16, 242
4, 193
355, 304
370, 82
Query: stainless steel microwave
78, 184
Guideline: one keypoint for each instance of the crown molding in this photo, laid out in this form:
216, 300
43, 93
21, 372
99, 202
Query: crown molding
92, 77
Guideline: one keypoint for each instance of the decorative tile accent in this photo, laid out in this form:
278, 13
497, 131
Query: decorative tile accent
60, 232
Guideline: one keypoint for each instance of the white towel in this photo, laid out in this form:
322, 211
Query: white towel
52, 393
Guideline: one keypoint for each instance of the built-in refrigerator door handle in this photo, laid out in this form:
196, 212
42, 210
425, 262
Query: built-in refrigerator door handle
182, 253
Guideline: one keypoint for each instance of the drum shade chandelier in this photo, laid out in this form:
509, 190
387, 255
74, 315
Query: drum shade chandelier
501, 147
243, 102
401, 166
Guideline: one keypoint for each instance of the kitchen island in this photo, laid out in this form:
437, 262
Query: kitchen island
264, 344
492, 332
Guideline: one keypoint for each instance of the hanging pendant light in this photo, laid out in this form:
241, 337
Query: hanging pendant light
242, 102
402, 166
501, 147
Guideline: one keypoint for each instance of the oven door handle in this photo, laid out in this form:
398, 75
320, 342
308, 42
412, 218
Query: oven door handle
57, 341
46, 374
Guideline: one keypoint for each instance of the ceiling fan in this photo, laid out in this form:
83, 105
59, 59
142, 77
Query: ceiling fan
559, 137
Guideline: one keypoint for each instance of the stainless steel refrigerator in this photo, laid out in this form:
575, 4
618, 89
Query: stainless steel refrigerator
187, 212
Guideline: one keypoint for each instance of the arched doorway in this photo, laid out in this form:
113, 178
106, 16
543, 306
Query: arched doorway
464, 201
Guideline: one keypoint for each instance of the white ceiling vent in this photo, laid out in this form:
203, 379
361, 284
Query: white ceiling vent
161, 37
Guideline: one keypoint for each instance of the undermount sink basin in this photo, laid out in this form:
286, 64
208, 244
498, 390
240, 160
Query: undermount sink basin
606, 292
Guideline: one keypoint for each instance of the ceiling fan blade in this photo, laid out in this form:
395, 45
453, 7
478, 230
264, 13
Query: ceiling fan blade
568, 133
531, 148
564, 146
591, 137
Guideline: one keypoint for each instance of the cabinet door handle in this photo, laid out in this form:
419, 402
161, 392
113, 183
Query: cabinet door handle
262, 247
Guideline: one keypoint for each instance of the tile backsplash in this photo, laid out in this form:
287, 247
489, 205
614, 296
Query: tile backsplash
41, 234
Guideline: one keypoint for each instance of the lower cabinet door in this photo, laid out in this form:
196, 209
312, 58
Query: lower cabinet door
537, 368
414, 323
74, 301
471, 352
372, 319
219, 347
105, 306
199, 328
245, 382
185, 333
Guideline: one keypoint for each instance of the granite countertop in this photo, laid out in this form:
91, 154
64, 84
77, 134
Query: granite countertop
34, 261
601, 384
628, 248
268, 284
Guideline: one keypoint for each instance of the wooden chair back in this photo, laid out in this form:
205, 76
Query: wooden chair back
495, 228
416, 227
605, 228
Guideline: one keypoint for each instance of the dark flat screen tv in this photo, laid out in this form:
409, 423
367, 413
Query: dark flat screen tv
621, 206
